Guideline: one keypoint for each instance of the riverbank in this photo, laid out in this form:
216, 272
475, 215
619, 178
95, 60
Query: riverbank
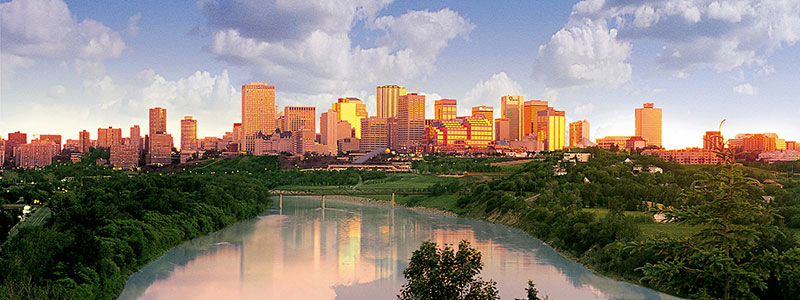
376, 202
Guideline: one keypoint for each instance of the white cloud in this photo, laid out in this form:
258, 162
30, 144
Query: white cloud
723, 35
133, 28
32, 30
488, 92
584, 109
57, 91
587, 53
745, 89
316, 54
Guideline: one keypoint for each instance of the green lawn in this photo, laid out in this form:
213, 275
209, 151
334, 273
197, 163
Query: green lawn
651, 229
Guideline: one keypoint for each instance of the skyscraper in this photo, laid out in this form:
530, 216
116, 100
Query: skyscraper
578, 133
387, 97
511, 109
258, 112
488, 113
444, 109
107, 137
188, 134
55, 138
85, 141
530, 114
411, 121
713, 141
648, 124
158, 120
299, 118
551, 128
351, 110
374, 134
15, 139
136, 137
502, 129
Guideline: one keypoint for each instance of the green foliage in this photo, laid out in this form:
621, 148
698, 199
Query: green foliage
444, 165
445, 274
532, 293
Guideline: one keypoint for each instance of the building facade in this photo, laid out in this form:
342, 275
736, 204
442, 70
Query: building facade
299, 118
15, 139
648, 124
713, 141
351, 110
502, 129
374, 134
158, 120
124, 157
444, 109
188, 134
511, 108
136, 137
579, 134
530, 116
410, 121
107, 137
85, 141
388, 97
55, 138
36, 154
258, 112
551, 128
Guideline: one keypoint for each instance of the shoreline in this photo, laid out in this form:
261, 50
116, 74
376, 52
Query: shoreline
383, 203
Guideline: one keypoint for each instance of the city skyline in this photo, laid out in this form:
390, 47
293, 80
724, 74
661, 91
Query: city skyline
128, 63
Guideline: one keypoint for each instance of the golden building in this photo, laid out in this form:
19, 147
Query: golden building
713, 141
648, 124
530, 113
444, 109
299, 118
258, 112
609, 142
487, 112
374, 134
188, 134
388, 97
351, 110
479, 131
759, 142
511, 109
578, 133
410, 121
551, 128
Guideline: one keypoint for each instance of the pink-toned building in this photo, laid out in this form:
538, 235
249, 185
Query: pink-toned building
277, 142
688, 156
374, 134
85, 142
136, 137
36, 154
124, 157
107, 137
410, 121
160, 149
502, 129
55, 138
635, 142
15, 139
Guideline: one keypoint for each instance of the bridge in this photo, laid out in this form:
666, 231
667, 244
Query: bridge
322, 194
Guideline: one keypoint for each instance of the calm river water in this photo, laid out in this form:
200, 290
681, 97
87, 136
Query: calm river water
352, 251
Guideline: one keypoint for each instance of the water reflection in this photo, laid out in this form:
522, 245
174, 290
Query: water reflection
350, 251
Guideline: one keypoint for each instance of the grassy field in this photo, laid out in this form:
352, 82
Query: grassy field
651, 228
443, 202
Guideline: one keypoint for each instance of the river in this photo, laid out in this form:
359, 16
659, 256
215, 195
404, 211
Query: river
355, 251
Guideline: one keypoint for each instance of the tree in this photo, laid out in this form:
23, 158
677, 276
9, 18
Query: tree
445, 274
729, 257
531, 293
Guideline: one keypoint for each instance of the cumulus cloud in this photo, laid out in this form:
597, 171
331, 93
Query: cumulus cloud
745, 89
32, 30
311, 50
695, 34
489, 91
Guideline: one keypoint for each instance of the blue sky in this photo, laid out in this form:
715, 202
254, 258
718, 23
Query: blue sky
74, 65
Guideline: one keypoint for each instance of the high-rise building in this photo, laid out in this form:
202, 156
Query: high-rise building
530, 114
511, 109
160, 152
124, 156
411, 121
15, 139
188, 134
136, 137
258, 112
551, 128
487, 112
579, 134
791, 145
351, 110
388, 97
713, 141
333, 130
2, 152
36, 154
374, 134
158, 120
299, 118
502, 129
648, 124
107, 137
85, 141
444, 109
759, 142
55, 138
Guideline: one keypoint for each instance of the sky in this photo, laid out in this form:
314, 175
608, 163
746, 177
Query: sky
67, 66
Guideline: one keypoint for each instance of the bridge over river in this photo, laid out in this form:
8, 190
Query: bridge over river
323, 193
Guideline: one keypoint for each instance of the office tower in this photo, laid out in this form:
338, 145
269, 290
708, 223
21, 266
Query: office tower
15, 139
760, 142
502, 129
136, 137
107, 137
160, 149
488, 113
85, 141
579, 134
124, 156
258, 112
713, 141
38, 153
648, 124
459, 133
351, 110
551, 128
299, 118
530, 114
55, 138
511, 109
444, 109
2, 152
374, 134
387, 97
410, 121
188, 134
158, 120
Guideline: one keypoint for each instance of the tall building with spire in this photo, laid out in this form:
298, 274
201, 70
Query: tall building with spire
387, 97
511, 109
258, 112
648, 124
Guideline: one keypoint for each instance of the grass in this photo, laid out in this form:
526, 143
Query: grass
651, 229
444, 202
